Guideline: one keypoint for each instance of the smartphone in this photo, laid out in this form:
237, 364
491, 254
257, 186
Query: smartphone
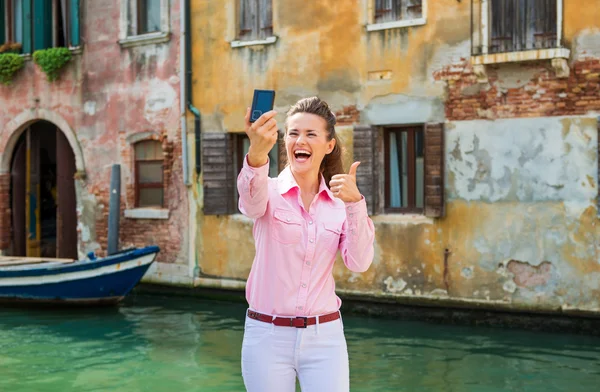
261, 103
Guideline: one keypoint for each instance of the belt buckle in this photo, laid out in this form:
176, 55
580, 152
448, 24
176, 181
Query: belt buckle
304, 324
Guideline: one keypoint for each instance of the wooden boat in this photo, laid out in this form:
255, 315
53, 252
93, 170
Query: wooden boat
93, 280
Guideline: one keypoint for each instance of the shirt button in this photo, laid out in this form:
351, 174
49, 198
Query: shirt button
311, 240
351, 214
288, 219
310, 223
303, 284
308, 263
300, 307
350, 208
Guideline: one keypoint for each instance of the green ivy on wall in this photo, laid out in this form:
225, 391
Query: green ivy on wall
10, 63
52, 60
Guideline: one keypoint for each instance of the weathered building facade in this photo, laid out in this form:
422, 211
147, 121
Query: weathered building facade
475, 122
117, 101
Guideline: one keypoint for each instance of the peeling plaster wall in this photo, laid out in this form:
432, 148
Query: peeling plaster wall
107, 94
521, 174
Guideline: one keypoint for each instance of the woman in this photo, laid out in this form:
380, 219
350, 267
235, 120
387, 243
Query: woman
302, 217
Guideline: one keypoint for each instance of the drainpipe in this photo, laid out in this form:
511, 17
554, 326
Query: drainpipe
182, 92
188, 79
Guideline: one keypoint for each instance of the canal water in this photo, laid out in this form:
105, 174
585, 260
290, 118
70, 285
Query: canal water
180, 345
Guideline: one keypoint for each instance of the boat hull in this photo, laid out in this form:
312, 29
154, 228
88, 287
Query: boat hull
103, 281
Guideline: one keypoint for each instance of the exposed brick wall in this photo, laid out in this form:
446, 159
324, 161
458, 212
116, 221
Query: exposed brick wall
167, 234
5, 230
347, 116
543, 95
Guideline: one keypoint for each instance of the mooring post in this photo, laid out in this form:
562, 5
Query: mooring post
114, 210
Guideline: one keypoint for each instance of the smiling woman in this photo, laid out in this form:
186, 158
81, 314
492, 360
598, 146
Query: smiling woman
301, 219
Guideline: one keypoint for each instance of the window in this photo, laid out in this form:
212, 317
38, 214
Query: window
222, 159
395, 10
516, 25
242, 143
404, 169
144, 17
40, 24
517, 30
255, 19
522, 25
149, 174
144, 22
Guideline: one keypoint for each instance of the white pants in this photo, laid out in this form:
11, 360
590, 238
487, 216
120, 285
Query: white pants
273, 356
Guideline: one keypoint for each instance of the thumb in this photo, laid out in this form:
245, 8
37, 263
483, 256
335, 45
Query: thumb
352, 170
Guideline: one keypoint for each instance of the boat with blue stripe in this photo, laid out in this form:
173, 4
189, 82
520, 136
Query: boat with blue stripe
92, 280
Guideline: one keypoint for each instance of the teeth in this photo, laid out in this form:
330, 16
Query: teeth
302, 152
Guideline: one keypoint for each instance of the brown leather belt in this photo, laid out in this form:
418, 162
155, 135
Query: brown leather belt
298, 322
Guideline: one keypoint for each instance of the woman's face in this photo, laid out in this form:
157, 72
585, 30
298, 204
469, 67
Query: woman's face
306, 142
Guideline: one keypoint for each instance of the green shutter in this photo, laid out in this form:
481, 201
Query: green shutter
42, 27
2, 25
74, 14
26, 26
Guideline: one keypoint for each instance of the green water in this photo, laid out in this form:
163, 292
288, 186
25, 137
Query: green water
179, 345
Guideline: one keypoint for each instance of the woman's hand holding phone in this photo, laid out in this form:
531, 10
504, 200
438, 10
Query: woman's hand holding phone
263, 136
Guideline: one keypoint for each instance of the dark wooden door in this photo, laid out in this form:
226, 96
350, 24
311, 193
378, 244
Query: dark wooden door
18, 193
65, 184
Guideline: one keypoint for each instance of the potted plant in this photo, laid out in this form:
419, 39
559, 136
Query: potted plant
10, 61
52, 60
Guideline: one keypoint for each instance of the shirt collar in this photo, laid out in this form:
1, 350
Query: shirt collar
286, 182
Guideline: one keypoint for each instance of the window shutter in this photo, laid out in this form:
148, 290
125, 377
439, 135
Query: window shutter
217, 152
434, 170
364, 151
27, 27
3, 16
42, 26
266, 18
74, 21
248, 18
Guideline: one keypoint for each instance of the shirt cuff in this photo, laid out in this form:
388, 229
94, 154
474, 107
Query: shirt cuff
256, 170
355, 212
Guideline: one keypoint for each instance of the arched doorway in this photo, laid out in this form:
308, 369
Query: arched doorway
43, 202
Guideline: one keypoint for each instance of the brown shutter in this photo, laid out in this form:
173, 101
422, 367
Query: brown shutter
217, 154
266, 18
247, 18
434, 170
364, 151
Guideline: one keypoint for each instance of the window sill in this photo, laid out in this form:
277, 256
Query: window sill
396, 24
558, 57
147, 213
266, 41
145, 39
73, 49
405, 219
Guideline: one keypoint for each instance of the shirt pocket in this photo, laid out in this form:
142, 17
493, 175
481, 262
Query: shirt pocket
330, 236
287, 226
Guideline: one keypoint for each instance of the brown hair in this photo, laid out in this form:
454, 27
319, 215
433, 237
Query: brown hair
332, 162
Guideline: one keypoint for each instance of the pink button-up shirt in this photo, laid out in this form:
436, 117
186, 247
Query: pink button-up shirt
295, 250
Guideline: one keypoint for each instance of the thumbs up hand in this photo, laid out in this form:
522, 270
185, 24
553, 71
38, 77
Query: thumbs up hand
343, 186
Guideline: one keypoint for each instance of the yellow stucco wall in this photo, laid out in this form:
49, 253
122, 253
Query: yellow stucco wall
511, 244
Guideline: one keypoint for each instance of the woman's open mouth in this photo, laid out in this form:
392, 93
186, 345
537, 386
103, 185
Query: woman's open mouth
301, 156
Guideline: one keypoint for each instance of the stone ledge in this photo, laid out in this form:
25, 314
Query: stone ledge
147, 213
